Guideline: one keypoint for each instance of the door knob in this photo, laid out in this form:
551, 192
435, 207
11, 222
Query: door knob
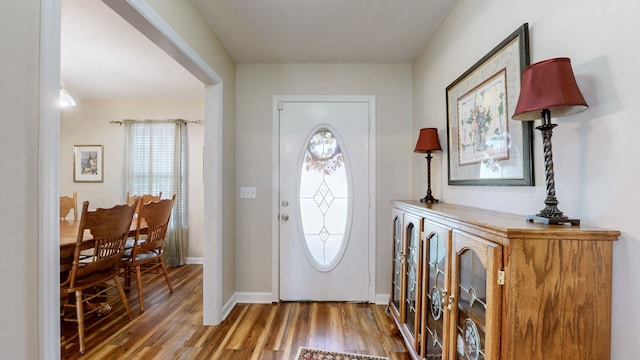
284, 217
285, 203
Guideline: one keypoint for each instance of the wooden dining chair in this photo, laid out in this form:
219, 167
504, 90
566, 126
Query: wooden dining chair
145, 257
68, 203
91, 279
144, 197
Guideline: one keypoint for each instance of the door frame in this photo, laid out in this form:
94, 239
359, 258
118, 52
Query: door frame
139, 14
277, 102
145, 19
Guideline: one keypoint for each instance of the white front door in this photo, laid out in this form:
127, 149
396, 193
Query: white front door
323, 204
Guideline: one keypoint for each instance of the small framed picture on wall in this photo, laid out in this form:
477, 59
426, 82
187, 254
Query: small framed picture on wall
87, 163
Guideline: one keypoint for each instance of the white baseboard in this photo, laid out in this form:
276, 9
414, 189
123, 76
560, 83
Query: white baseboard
245, 298
266, 298
228, 306
195, 260
254, 297
382, 299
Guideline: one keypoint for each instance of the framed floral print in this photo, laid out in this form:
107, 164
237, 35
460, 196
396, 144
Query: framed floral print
485, 146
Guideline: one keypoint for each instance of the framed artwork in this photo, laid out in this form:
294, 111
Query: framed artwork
485, 146
87, 163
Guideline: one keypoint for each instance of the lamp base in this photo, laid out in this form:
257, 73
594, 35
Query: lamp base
429, 198
552, 220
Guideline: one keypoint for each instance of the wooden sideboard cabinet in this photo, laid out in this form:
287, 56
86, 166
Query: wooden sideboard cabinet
474, 284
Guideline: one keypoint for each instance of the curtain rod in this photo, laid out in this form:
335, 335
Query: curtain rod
120, 122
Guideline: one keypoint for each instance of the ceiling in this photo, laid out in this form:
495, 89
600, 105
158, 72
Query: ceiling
325, 31
104, 57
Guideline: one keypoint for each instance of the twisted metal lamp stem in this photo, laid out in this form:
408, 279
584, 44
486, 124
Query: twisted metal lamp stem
550, 214
429, 197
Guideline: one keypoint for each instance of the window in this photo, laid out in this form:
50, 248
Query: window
324, 199
154, 161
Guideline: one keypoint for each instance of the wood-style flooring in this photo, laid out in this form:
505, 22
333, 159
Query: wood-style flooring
171, 327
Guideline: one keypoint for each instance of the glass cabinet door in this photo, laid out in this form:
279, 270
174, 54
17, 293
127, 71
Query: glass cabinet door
476, 297
412, 272
436, 248
398, 260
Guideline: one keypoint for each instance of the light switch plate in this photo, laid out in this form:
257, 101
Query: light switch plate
247, 193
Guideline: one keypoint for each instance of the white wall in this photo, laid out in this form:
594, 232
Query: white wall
88, 124
595, 152
19, 163
186, 21
256, 86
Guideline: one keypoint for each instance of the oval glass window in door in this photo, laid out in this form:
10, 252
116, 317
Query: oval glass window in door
324, 199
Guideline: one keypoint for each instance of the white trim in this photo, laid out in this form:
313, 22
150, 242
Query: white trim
142, 16
275, 195
246, 298
229, 305
372, 198
382, 299
48, 185
266, 298
146, 20
194, 261
212, 313
253, 297
277, 101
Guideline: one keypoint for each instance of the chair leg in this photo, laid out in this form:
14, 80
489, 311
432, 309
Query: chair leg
123, 297
80, 318
127, 277
139, 284
166, 275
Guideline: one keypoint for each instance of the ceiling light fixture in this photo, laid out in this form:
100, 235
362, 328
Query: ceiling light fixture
65, 99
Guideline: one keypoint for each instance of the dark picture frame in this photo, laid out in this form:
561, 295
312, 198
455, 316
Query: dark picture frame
88, 163
485, 146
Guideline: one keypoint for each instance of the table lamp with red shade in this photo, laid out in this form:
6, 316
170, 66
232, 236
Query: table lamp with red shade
428, 142
549, 89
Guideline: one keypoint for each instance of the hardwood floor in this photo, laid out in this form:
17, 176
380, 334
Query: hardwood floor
171, 328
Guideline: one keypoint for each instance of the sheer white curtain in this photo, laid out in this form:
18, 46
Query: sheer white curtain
155, 160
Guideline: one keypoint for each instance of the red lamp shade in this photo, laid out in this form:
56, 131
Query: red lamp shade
549, 84
428, 141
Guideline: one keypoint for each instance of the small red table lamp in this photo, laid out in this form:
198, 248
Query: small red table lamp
428, 142
549, 89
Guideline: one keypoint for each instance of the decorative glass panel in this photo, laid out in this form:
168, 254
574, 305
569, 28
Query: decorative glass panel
397, 261
324, 199
472, 307
436, 295
411, 291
